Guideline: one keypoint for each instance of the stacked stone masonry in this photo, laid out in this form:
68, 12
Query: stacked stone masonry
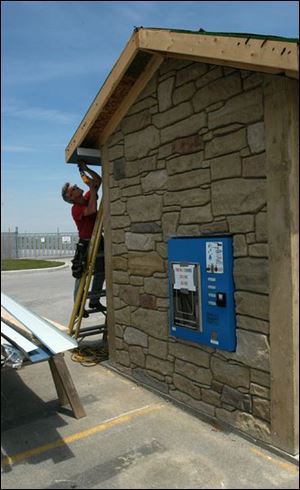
189, 157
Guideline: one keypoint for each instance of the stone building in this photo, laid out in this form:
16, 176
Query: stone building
198, 132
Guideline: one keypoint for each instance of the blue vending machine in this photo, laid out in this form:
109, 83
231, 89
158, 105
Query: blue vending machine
201, 290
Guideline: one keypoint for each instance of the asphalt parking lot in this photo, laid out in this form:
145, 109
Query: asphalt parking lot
131, 437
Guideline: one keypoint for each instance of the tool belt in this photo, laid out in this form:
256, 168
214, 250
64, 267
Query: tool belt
80, 258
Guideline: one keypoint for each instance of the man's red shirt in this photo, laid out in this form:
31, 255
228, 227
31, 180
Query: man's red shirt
85, 224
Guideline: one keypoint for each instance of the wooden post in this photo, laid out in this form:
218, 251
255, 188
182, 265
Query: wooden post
64, 385
282, 156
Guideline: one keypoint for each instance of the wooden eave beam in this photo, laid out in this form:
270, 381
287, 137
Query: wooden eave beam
269, 56
102, 97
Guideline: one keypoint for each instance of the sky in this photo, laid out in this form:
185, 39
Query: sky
55, 57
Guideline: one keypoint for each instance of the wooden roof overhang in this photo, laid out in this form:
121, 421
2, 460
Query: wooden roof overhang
146, 50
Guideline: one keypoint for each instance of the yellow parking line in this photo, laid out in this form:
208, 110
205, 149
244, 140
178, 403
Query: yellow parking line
108, 424
286, 466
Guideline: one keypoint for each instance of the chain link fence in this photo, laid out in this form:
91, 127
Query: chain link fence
15, 245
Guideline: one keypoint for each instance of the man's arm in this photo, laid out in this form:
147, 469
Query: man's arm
96, 179
92, 204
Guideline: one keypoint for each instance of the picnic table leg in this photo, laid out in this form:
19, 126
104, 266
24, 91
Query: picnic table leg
64, 385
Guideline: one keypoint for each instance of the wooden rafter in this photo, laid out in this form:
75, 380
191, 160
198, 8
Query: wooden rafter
131, 97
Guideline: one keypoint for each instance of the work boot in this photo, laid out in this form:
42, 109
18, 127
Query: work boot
97, 306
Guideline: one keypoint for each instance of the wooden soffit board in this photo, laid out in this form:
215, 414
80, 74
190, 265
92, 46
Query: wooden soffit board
143, 55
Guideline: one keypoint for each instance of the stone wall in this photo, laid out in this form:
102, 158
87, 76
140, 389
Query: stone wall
189, 157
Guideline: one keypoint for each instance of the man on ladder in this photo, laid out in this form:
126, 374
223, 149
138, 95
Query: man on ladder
84, 213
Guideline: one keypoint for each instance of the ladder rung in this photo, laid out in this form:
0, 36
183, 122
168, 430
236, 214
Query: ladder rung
92, 331
94, 327
91, 295
88, 334
94, 311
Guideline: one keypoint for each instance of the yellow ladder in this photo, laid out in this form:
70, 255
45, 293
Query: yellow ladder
83, 290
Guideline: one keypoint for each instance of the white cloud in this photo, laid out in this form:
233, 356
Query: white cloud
12, 109
135, 12
19, 71
17, 149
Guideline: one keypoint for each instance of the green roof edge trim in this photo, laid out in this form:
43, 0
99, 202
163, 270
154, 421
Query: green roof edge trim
226, 34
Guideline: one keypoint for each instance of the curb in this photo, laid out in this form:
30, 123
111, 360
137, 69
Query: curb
47, 269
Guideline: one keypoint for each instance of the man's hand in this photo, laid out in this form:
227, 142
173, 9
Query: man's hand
82, 166
94, 185
95, 178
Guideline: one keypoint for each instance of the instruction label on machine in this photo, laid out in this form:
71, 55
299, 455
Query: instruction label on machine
184, 277
214, 257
